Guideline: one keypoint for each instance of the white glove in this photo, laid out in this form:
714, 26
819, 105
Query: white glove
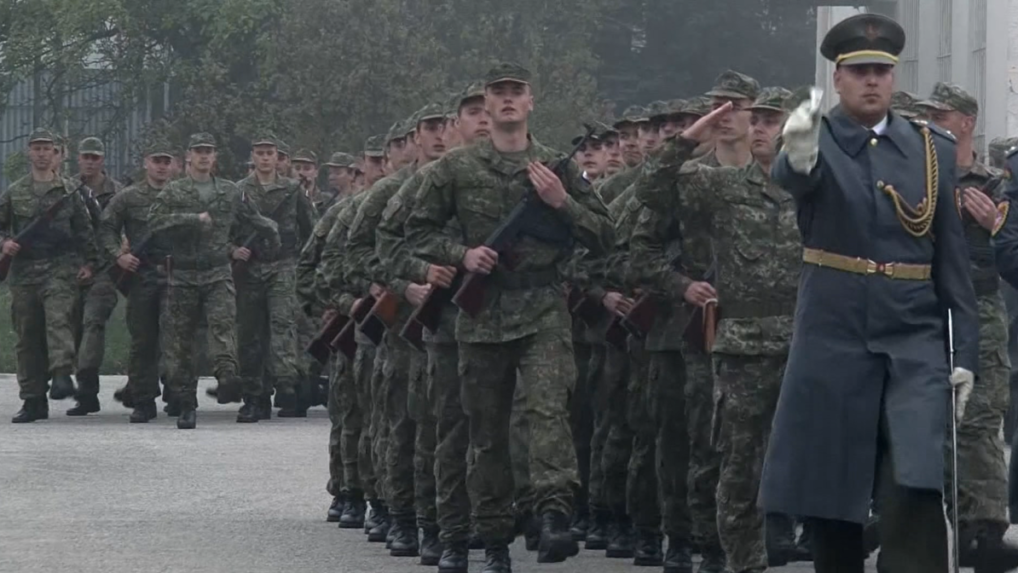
801, 134
962, 381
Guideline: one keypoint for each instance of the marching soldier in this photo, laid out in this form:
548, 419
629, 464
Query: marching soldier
127, 214
868, 375
628, 127
373, 164
284, 167
342, 172
195, 216
99, 298
524, 321
46, 270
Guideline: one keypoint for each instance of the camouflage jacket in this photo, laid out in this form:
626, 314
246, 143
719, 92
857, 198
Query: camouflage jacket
284, 202
755, 240
478, 187
612, 187
333, 290
311, 257
984, 268
106, 191
201, 252
127, 215
58, 248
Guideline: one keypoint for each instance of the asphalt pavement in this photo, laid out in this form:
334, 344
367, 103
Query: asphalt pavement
97, 494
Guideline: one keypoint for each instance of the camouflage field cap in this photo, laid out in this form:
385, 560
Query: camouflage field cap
658, 110
675, 106
410, 124
582, 131
264, 138
731, 84
374, 146
951, 97
632, 114
999, 147
507, 72
428, 112
472, 91
604, 131
92, 146
282, 147
395, 132
340, 159
771, 99
305, 156
159, 148
201, 139
41, 135
905, 104
864, 39
698, 106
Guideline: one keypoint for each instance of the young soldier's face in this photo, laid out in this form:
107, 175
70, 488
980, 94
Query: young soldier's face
429, 138
265, 159
282, 163
592, 158
765, 125
954, 121
41, 155
90, 164
650, 137
396, 150
865, 90
613, 155
306, 171
157, 168
733, 125
202, 159
374, 168
508, 102
629, 139
473, 121
340, 178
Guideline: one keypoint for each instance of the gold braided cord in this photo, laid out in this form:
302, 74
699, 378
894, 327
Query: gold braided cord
918, 221
860, 53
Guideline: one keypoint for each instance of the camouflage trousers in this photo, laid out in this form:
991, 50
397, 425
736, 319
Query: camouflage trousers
704, 460
665, 401
612, 430
99, 302
338, 371
982, 468
357, 423
746, 397
42, 320
184, 306
581, 421
489, 376
595, 377
399, 456
421, 406
453, 441
379, 428
519, 452
144, 305
643, 500
267, 332
307, 328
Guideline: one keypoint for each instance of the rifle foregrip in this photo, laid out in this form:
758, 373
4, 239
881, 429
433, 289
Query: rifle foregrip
470, 296
5, 266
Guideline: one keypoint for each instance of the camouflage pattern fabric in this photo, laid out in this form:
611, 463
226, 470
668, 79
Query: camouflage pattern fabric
422, 412
337, 460
453, 440
356, 424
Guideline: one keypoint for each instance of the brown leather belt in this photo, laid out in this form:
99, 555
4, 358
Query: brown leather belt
898, 271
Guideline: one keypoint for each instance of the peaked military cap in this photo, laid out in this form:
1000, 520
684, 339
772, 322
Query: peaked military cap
92, 146
772, 99
41, 135
864, 39
951, 97
159, 148
430, 111
633, 114
201, 139
658, 110
675, 106
474, 90
375, 146
305, 156
999, 148
264, 139
580, 133
603, 130
905, 104
340, 159
507, 72
395, 132
698, 106
734, 85
282, 147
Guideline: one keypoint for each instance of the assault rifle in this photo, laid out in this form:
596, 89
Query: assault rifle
36, 226
238, 265
344, 341
428, 315
381, 317
319, 347
122, 278
530, 216
702, 324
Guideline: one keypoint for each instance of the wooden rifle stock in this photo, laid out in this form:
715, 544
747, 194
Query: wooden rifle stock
428, 315
640, 318
616, 335
382, 316
122, 278
319, 345
344, 341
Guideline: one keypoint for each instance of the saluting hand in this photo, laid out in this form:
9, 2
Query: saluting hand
548, 185
703, 128
980, 207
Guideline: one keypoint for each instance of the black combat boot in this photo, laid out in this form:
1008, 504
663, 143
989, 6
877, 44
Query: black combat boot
291, 406
804, 545
33, 409
143, 412
431, 547
62, 387
393, 531
187, 419
647, 550
476, 542
86, 404
870, 534
336, 509
172, 408
580, 524
353, 513
531, 527
249, 413
265, 407
597, 533
779, 537
713, 560
620, 539
380, 532
124, 396
455, 558
496, 557
988, 551
557, 543
229, 390
371, 516
405, 539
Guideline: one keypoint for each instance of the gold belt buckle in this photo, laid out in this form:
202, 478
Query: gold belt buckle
873, 267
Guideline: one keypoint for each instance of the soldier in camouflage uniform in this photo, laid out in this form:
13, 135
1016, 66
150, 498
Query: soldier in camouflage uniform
266, 287
342, 171
127, 215
524, 324
404, 366
195, 216
46, 271
100, 297
373, 160
906, 105
284, 166
628, 127
613, 154
755, 241
982, 469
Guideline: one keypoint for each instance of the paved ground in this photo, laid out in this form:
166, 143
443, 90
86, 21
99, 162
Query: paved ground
101, 495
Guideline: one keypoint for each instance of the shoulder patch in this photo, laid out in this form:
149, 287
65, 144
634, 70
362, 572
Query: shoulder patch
1002, 210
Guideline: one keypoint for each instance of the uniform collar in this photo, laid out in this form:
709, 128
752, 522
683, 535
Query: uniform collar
852, 137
